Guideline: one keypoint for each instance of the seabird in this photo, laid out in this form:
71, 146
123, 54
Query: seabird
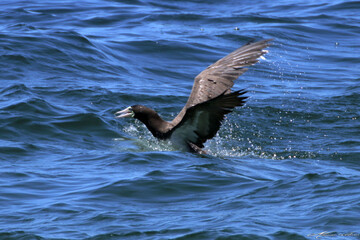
210, 99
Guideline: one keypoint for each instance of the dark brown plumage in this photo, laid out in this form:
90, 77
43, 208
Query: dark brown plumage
210, 99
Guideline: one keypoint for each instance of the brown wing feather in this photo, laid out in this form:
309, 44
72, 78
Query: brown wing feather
202, 121
220, 76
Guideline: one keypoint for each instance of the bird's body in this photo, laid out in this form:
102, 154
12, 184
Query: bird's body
210, 99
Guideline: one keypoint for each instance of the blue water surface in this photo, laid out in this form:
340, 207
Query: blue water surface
285, 166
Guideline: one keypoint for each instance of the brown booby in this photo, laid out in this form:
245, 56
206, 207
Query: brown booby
210, 99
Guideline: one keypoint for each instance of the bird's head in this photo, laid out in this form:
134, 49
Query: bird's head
157, 126
136, 111
127, 112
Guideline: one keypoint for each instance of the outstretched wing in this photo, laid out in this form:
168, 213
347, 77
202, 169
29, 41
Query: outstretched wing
220, 76
202, 121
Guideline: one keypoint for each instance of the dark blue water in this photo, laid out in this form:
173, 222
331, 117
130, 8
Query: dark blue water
286, 166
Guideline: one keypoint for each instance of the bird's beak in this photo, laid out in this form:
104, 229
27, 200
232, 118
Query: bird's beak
127, 112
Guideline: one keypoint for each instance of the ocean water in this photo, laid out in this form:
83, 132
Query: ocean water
285, 166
